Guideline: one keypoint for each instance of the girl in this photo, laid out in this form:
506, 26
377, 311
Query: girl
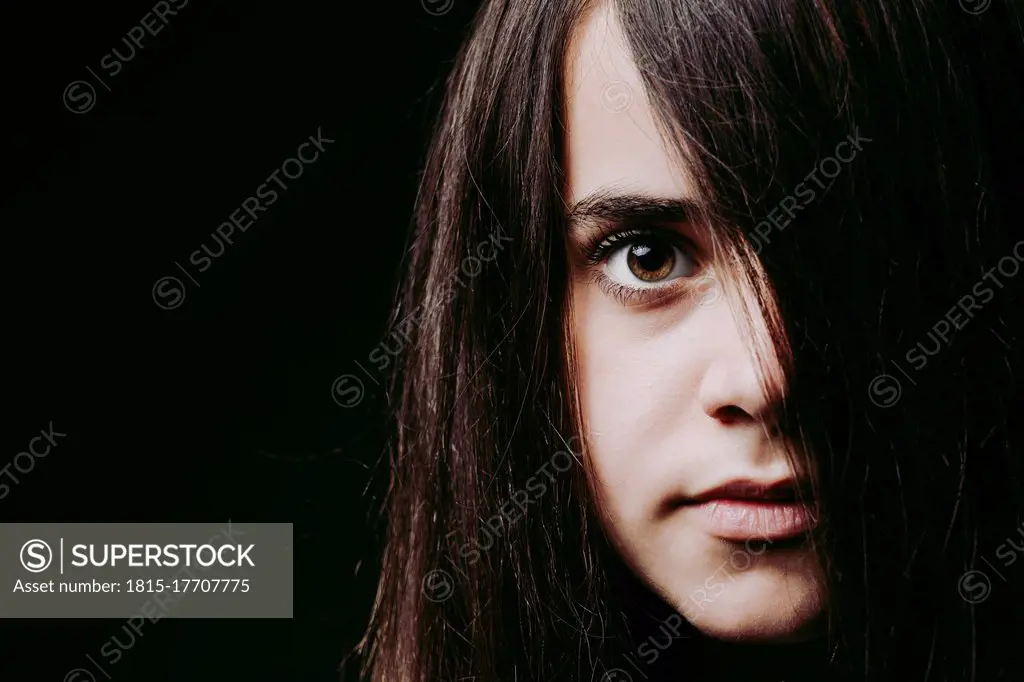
714, 367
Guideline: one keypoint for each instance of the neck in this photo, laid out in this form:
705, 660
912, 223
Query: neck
719, 661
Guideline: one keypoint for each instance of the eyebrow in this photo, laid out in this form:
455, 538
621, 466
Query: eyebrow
608, 205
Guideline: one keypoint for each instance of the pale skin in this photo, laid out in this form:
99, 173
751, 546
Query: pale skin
672, 403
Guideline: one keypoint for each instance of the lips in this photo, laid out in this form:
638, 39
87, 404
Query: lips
787, 490
746, 510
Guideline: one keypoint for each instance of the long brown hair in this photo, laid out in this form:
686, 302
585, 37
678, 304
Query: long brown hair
915, 491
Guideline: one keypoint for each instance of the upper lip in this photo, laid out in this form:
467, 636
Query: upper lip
786, 490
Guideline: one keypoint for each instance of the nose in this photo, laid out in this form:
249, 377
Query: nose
730, 390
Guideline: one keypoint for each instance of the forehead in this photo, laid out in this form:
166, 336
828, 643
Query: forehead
612, 140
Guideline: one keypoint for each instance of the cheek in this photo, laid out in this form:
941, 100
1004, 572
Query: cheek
636, 380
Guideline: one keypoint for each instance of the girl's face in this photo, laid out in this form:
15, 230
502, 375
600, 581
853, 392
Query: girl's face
695, 488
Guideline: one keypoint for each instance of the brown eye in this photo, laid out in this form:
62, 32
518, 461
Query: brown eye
648, 260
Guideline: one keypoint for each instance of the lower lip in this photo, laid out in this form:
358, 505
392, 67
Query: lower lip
749, 519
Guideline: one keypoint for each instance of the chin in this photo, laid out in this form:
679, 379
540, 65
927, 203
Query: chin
761, 605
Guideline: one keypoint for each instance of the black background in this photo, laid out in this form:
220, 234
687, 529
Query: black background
222, 407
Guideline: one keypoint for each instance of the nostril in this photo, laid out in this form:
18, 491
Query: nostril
731, 414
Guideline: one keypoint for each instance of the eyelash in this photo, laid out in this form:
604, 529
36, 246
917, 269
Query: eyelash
600, 247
